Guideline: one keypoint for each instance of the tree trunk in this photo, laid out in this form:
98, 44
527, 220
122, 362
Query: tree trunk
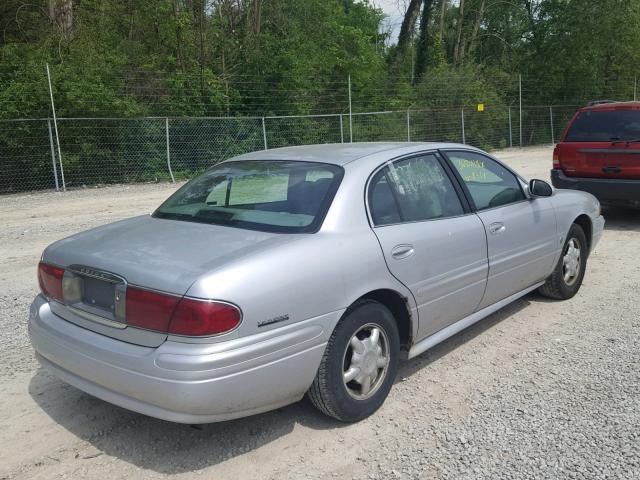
406, 32
476, 28
531, 14
200, 5
443, 11
423, 40
257, 14
253, 24
61, 16
458, 46
223, 65
179, 53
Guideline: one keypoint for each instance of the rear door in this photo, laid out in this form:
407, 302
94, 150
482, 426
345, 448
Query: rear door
602, 142
521, 232
431, 241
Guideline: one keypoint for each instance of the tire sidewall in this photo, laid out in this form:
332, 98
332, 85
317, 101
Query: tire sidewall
364, 313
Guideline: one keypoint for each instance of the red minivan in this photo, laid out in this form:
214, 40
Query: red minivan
599, 153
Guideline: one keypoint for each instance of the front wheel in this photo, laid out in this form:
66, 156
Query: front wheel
359, 364
566, 279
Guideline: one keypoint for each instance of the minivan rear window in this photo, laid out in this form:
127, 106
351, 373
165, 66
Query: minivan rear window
605, 126
268, 195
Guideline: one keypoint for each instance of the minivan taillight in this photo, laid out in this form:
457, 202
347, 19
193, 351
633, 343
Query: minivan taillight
50, 280
556, 158
180, 316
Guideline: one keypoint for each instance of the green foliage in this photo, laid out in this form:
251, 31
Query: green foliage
256, 57
253, 58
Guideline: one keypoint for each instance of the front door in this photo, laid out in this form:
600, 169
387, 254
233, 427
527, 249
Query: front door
521, 232
431, 243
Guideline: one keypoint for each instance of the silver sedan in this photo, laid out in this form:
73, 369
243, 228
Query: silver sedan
302, 270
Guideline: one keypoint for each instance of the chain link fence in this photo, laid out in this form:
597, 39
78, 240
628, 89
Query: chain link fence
95, 151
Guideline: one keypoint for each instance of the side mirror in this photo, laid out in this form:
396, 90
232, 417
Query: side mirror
540, 188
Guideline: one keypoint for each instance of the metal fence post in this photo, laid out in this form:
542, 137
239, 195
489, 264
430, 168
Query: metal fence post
551, 122
350, 113
264, 133
462, 124
520, 103
510, 130
635, 88
341, 130
55, 125
408, 126
53, 156
166, 128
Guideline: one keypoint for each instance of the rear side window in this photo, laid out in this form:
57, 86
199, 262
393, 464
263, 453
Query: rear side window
489, 183
605, 126
412, 190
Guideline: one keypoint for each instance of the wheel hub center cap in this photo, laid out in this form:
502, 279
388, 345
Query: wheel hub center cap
370, 360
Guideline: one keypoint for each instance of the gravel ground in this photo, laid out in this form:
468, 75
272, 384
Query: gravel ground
541, 389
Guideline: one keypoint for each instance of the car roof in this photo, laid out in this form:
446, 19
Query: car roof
340, 153
613, 106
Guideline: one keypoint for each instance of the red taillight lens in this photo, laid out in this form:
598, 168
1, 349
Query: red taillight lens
556, 158
203, 317
150, 310
50, 280
180, 316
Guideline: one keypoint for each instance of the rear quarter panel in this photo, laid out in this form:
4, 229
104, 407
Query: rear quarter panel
323, 273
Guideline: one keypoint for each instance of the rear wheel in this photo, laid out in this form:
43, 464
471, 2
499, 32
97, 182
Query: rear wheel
566, 279
359, 363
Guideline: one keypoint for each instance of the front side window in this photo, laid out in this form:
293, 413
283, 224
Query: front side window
489, 183
268, 195
605, 126
412, 190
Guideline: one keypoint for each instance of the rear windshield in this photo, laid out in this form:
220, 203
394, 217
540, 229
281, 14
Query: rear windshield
605, 126
273, 196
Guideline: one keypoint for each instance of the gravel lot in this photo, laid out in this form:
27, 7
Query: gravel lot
541, 389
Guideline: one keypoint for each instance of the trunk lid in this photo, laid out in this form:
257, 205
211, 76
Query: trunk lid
158, 254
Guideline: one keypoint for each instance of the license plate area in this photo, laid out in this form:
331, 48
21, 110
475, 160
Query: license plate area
95, 294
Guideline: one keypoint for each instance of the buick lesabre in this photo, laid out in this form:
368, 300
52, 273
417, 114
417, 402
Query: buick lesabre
302, 270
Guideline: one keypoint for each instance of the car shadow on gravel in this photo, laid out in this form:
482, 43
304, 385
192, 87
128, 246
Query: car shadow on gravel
432, 355
160, 446
621, 219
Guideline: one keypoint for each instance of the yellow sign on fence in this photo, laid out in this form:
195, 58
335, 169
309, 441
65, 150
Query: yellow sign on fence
481, 107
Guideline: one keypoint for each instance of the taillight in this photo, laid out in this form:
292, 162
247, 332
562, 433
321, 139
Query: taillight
203, 317
150, 310
556, 158
181, 316
50, 280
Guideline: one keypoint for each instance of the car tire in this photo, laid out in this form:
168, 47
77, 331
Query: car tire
565, 281
341, 389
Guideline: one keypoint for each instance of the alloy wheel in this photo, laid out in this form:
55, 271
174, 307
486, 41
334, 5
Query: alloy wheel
571, 262
366, 361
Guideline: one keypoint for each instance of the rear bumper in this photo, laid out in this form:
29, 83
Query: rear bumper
184, 382
607, 190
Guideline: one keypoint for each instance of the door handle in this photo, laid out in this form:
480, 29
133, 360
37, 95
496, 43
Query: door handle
402, 251
611, 170
496, 228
